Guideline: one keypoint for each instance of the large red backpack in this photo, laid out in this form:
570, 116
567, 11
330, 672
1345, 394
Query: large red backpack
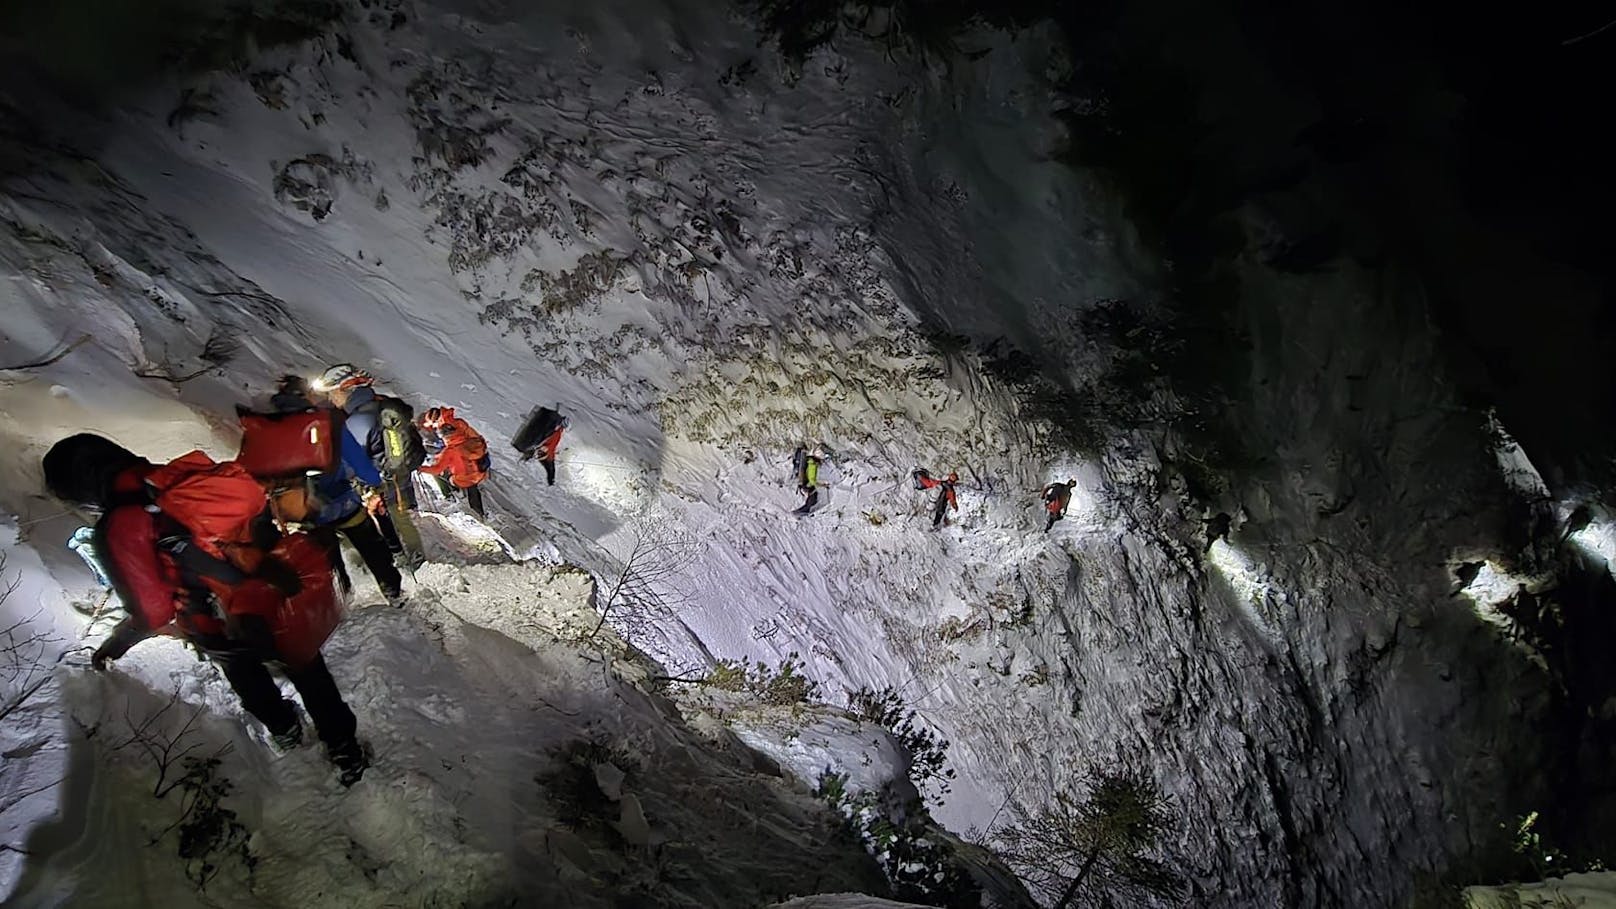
286, 445
216, 502
284, 451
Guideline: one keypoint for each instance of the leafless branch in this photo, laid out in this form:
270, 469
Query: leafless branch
25, 669
646, 588
217, 352
24, 666
63, 349
165, 747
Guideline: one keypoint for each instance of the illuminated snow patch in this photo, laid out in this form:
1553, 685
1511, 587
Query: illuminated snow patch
1251, 587
1492, 588
1597, 541
1519, 473
1492, 585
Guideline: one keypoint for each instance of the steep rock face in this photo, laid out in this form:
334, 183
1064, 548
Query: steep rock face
626, 210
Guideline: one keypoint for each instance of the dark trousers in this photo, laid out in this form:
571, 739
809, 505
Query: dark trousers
812, 493
1053, 517
474, 494
941, 509
368, 541
245, 671
549, 471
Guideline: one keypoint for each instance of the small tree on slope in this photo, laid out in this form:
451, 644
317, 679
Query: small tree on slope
646, 588
1074, 847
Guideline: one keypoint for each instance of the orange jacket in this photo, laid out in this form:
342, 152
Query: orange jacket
464, 452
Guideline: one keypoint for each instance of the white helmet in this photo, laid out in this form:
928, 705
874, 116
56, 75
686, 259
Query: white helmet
342, 375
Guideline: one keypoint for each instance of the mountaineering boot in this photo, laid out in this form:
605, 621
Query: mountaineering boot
350, 761
287, 739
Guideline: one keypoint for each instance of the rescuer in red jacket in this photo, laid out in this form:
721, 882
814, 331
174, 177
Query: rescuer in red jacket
461, 454
945, 492
275, 604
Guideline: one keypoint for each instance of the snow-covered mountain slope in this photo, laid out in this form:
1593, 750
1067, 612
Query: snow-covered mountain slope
485, 728
707, 258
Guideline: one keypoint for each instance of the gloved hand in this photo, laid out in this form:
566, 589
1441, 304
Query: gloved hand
280, 576
126, 635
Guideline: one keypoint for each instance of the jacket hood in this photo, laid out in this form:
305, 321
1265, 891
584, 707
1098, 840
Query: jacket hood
359, 397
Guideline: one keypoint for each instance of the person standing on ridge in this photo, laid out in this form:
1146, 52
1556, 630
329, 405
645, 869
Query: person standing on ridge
461, 454
945, 493
1057, 497
540, 437
338, 507
188, 546
385, 425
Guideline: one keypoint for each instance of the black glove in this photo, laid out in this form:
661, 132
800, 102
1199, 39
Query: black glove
127, 634
280, 576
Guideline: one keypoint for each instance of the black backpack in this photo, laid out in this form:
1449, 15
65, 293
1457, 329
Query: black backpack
402, 447
540, 422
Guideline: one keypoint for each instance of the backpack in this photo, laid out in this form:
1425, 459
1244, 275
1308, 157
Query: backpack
918, 477
540, 423
216, 503
301, 623
799, 465
403, 450
285, 445
293, 502
288, 453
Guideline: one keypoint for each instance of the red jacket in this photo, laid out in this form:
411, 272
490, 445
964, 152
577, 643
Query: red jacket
928, 481
551, 443
464, 452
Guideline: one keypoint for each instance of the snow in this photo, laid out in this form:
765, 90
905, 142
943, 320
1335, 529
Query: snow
494, 207
841, 901
1587, 891
471, 710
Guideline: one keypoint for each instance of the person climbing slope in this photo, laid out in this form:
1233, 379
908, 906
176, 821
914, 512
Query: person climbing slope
326, 500
385, 425
945, 492
461, 454
1057, 497
806, 467
189, 547
540, 437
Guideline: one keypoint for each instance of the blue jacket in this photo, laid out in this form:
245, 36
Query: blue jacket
361, 422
